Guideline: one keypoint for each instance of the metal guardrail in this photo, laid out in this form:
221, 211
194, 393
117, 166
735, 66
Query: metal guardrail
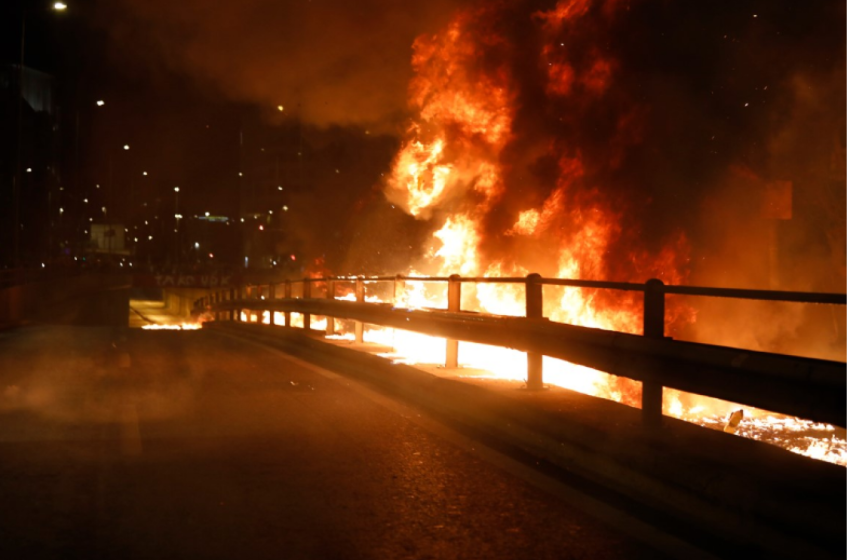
803, 387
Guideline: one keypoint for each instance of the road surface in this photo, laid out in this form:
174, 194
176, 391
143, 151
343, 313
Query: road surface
123, 443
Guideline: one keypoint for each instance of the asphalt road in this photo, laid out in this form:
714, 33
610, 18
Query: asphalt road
119, 443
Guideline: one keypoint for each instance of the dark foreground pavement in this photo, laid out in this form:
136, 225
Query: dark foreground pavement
133, 444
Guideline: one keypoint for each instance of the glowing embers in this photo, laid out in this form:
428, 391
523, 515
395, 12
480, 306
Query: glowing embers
805, 437
180, 327
817, 440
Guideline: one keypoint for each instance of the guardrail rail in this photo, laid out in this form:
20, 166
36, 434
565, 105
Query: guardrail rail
804, 387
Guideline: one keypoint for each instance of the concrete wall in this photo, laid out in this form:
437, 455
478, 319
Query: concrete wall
180, 301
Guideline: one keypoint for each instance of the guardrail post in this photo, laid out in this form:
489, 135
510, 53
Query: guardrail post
331, 323
271, 297
251, 293
534, 310
398, 290
653, 327
360, 297
258, 295
454, 305
306, 295
287, 293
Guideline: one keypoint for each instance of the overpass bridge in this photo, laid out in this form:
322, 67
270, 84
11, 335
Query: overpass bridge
169, 417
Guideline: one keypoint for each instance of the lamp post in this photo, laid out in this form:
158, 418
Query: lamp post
177, 217
16, 182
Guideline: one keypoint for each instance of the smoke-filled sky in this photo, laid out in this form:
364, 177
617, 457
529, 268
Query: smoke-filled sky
325, 61
349, 62
716, 101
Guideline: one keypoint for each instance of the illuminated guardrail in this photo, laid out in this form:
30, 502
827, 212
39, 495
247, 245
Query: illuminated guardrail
804, 387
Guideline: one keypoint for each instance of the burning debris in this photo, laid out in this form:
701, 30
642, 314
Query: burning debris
733, 422
804, 437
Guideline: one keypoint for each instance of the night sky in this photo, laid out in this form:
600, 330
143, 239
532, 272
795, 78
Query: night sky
732, 93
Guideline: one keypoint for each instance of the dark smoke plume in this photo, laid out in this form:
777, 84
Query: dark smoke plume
326, 62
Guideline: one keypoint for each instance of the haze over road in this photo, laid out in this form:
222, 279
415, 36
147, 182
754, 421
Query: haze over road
120, 443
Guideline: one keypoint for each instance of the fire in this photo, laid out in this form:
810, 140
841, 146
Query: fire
451, 170
423, 177
459, 242
180, 327
495, 160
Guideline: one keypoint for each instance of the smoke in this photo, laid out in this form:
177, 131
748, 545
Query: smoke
326, 62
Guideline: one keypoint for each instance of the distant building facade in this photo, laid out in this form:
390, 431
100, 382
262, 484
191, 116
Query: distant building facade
30, 180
